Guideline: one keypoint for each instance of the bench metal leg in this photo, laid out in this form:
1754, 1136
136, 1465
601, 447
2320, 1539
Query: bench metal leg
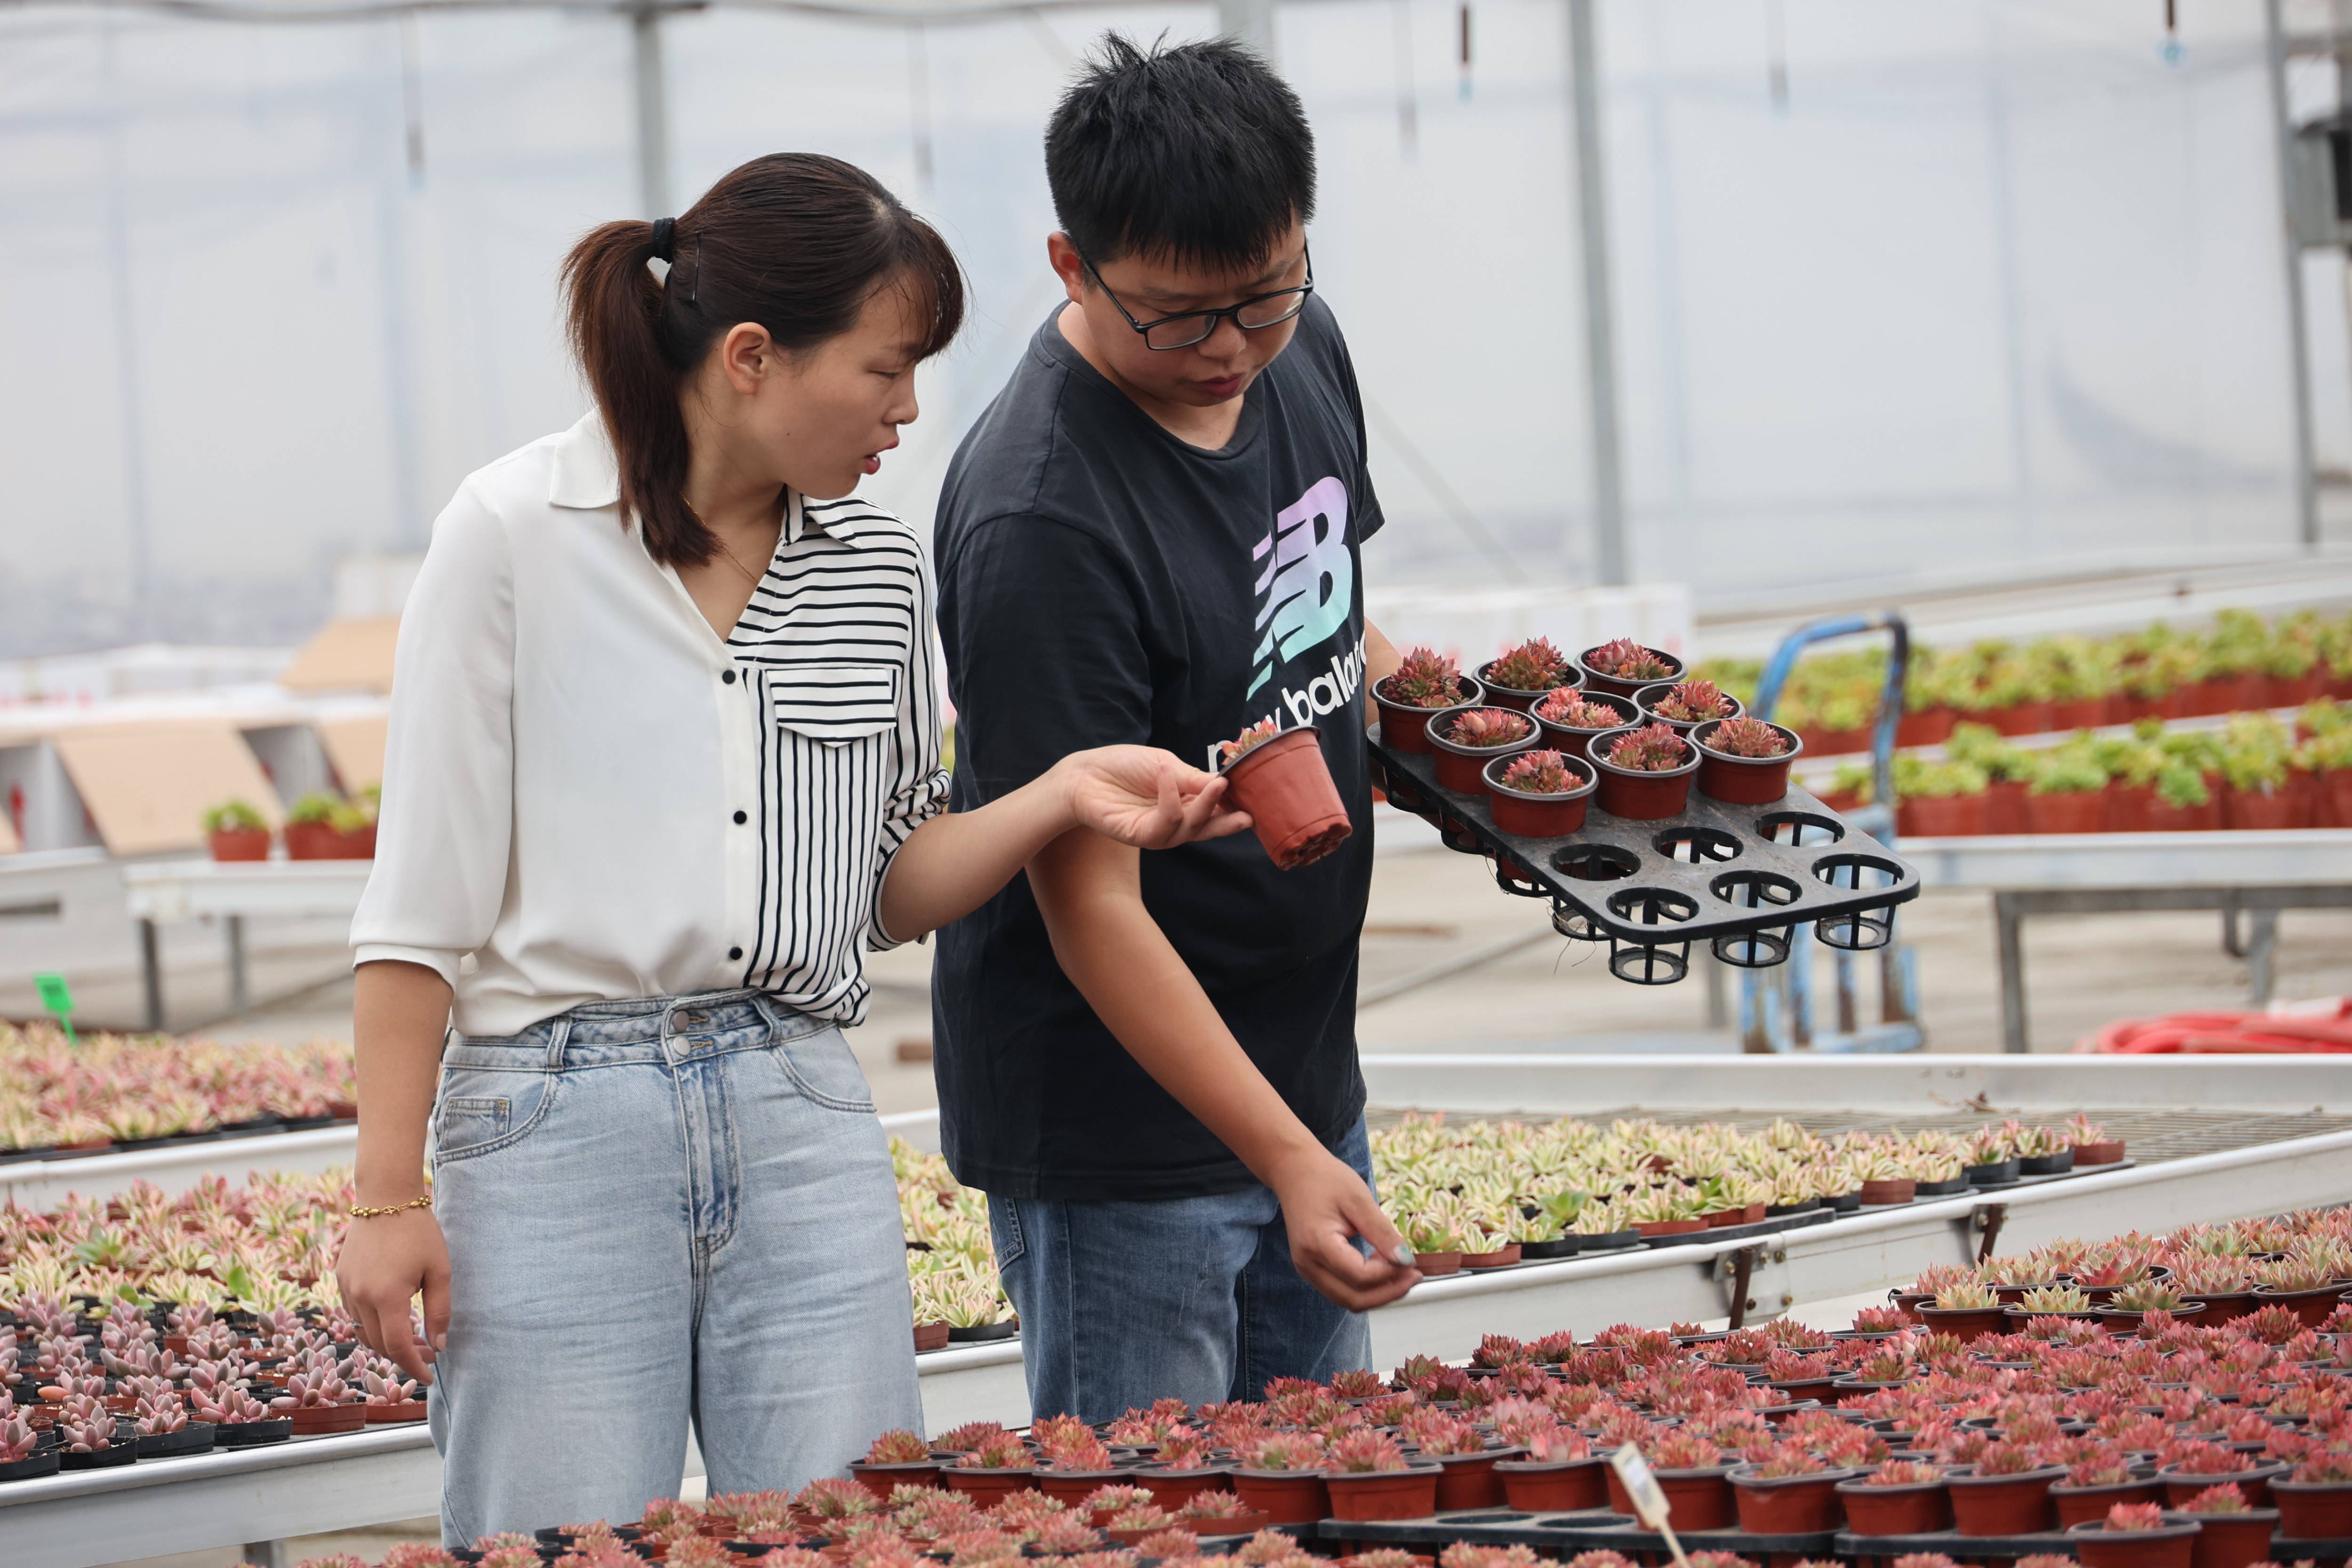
236, 983
2261, 957
2009, 919
150, 971
269, 1554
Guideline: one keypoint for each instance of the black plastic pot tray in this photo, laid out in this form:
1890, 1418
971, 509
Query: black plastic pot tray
2003, 1548
1716, 870
1565, 1534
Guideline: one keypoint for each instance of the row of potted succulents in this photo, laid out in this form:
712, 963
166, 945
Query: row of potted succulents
950, 1254
1619, 726
135, 1091
1909, 1430
318, 826
2255, 771
1482, 1194
2062, 683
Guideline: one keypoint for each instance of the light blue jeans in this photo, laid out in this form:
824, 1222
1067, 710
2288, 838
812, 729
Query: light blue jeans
673, 1210
1123, 1303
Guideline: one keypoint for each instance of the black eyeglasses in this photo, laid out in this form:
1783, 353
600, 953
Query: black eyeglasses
1183, 330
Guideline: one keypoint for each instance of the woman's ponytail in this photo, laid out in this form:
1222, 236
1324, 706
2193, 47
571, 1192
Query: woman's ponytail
795, 242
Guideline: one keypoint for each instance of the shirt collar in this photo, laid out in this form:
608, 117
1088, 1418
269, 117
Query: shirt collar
587, 477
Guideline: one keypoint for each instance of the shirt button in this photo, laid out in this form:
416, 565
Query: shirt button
740, 818
734, 953
727, 677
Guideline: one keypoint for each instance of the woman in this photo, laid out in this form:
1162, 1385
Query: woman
663, 754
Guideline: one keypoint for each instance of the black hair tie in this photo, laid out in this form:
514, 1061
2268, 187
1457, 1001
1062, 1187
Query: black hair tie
665, 231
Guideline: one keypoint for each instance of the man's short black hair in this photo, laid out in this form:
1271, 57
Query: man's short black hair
1199, 155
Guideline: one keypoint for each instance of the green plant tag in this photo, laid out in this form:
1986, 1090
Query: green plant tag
59, 1000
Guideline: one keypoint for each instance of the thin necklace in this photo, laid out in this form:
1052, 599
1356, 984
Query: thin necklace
754, 578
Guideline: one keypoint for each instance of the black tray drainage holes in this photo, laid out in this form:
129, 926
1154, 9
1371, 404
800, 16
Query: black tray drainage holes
1575, 924
1595, 863
1457, 836
1866, 929
1514, 877
1754, 890
1652, 906
1648, 963
1696, 846
1799, 829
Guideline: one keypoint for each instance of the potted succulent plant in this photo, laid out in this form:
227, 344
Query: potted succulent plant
238, 1420
1426, 682
999, 1466
1539, 794
1281, 779
1901, 1497
1183, 1467
1645, 771
2092, 1144
1465, 1464
319, 1402
1466, 739
1941, 800
1792, 1491
2233, 1533
1522, 675
2067, 793
2123, 1312
164, 1430
901, 1458
1682, 705
1622, 667
1560, 1473
2314, 1500
391, 1399
2096, 1483
1992, 1163
2134, 1535
2005, 1493
1220, 1514
1745, 761
233, 830
1281, 1475
2187, 1467
1571, 717
309, 829
1691, 1471
26, 1453
1968, 1310
1369, 1478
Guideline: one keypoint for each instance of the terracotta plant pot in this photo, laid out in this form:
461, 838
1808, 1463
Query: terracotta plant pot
1927, 727
931, 1337
1135, 1537
1433, 1264
1641, 796
1512, 696
2312, 1510
1916, 1508
1286, 786
309, 841
880, 1479
2336, 798
1248, 1524
1695, 1499
1670, 1226
2130, 808
2313, 1307
1646, 698
1285, 1496
1383, 1494
2004, 1505
1570, 739
2234, 1540
2088, 1505
1404, 729
407, 1410
1945, 817
2238, 693
311, 1420
2097, 1546
238, 844
1463, 769
1468, 1480
1963, 1323
1539, 815
1172, 1489
1837, 742
2005, 806
2106, 1152
2255, 1483
1743, 781
2075, 811
2078, 714
1610, 685
1788, 1505
2250, 810
1889, 1190
1561, 1486
988, 1488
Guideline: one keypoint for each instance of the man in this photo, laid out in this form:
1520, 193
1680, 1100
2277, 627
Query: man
1152, 536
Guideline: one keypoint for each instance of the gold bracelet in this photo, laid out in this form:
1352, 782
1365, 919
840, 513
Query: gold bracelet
361, 1211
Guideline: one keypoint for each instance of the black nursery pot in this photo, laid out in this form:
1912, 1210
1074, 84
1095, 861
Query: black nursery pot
44, 1463
2000, 1173
983, 1333
196, 1437
122, 1451
246, 1434
2047, 1165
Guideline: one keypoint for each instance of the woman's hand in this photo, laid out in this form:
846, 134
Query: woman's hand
1146, 798
386, 1259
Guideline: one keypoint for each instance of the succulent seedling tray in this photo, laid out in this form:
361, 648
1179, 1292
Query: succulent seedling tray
1565, 1534
2004, 1548
1738, 878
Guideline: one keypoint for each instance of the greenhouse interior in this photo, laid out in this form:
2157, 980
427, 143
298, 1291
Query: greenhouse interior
1760, 592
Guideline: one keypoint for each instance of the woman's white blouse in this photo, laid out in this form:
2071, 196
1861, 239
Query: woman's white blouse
593, 796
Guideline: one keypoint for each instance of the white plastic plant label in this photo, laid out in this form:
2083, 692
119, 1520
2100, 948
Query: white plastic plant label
1649, 1498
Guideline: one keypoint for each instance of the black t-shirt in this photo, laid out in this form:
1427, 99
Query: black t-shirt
1102, 582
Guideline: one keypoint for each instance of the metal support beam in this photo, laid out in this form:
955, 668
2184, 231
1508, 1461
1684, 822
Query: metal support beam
151, 973
239, 992
652, 113
2306, 495
1600, 331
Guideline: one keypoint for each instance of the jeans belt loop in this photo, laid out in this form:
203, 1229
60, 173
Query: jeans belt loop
557, 1034
767, 1009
